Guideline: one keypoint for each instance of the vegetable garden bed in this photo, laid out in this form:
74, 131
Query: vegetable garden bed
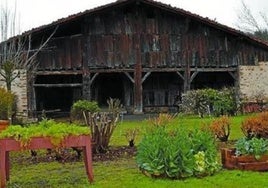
243, 162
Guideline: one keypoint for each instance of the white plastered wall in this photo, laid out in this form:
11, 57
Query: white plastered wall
19, 87
253, 81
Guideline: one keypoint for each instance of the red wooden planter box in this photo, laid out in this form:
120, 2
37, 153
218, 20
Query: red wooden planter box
10, 144
245, 162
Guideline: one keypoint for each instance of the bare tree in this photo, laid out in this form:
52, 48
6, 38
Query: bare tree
17, 52
256, 25
9, 23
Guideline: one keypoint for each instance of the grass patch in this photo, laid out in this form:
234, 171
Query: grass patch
124, 174
189, 122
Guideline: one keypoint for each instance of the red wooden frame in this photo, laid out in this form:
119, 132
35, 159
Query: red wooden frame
10, 144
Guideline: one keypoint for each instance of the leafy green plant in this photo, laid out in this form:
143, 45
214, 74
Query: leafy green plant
7, 103
177, 154
46, 128
254, 146
81, 106
225, 102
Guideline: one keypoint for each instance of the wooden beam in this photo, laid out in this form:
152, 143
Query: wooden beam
228, 69
58, 85
77, 72
180, 75
110, 70
175, 69
93, 78
145, 76
233, 74
193, 76
130, 78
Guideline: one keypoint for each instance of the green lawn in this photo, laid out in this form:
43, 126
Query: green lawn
124, 171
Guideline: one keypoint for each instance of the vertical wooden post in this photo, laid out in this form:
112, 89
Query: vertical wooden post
87, 150
3, 166
138, 105
86, 86
187, 75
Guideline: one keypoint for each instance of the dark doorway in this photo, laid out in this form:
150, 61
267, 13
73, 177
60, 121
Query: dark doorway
57, 92
215, 80
107, 86
53, 98
160, 89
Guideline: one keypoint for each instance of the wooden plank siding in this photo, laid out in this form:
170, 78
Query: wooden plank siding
167, 41
64, 53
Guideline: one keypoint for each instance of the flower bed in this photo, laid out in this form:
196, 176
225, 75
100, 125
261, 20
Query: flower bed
243, 162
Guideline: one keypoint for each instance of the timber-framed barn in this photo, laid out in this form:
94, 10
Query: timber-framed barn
143, 52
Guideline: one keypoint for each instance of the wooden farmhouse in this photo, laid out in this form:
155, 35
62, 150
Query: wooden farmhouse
143, 52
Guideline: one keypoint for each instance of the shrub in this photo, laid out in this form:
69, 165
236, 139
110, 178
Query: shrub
195, 102
177, 154
207, 101
81, 106
102, 125
220, 127
224, 102
256, 126
254, 146
7, 103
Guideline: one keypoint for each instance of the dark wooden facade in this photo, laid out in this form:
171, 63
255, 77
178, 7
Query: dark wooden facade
143, 52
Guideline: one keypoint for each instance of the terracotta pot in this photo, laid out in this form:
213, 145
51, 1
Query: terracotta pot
3, 124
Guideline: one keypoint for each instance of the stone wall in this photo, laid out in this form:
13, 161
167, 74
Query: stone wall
19, 87
253, 82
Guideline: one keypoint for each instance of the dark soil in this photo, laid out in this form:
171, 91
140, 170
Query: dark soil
71, 155
115, 153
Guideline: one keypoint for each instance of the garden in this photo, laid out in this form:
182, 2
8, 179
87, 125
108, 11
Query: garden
185, 149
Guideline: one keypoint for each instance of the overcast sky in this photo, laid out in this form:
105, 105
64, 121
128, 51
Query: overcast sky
34, 13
